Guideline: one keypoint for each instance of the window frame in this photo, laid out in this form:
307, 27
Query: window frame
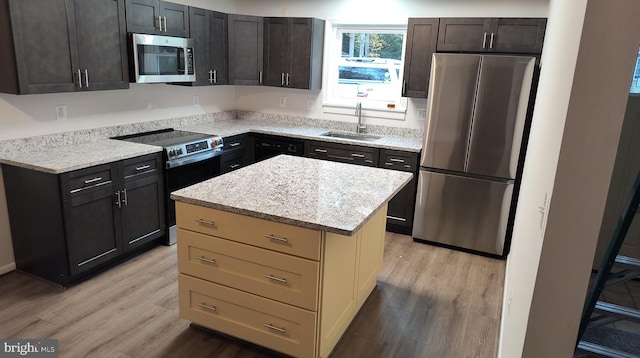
333, 47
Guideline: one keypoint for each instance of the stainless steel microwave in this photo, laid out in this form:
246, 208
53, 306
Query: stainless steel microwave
159, 59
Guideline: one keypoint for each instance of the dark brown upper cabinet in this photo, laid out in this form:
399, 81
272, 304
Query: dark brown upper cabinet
246, 41
62, 46
293, 52
422, 36
157, 17
500, 35
209, 31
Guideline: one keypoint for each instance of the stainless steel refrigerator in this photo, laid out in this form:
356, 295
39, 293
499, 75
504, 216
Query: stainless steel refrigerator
473, 135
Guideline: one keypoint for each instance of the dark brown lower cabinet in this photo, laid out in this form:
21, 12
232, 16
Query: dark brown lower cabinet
66, 226
401, 207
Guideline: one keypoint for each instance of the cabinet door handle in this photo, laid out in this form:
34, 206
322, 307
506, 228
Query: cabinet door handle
86, 78
165, 23
160, 22
320, 150
79, 78
484, 40
125, 201
93, 180
491, 41
260, 77
357, 155
142, 167
396, 160
404, 88
207, 307
272, 327
272, 237
234, 144
287, 81
282, 79
207, 260
215, 76
210, 76
205, 222
277, 279
118, 199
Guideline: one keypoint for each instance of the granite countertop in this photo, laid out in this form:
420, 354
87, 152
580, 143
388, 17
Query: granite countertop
311, 193
59, 158
240, 126
72, 157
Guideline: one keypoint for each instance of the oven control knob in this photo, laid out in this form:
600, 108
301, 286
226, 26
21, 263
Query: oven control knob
178, 151
172, 152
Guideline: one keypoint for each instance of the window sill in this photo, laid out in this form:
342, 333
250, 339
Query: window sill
398, 114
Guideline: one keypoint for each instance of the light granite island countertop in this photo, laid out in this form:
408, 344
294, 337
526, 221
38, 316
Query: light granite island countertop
283, 253
310, 193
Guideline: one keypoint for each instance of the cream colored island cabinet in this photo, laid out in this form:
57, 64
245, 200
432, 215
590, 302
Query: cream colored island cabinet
264, 271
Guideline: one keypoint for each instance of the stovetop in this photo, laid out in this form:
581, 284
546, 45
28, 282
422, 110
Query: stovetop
180, 147
164, 137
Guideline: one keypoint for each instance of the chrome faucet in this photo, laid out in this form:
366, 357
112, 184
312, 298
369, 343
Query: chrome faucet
360, 128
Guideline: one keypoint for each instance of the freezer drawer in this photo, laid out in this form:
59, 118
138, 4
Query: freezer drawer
462, 212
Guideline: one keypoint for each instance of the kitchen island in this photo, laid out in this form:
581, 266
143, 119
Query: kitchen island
283, 253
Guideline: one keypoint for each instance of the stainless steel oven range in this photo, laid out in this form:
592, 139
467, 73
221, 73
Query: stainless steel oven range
189, 158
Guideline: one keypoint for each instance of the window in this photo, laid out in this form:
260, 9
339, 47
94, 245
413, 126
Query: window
364, 64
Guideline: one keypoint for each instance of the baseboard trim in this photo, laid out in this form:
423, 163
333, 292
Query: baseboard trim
7, 268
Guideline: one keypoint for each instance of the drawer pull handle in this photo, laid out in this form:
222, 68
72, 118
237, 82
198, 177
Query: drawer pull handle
204, 259
356, 155
233, 166
272, 327
281, 239
388, 164
235, 144
396, 218
207, 307
142, 167
396, 160
318, 150
205, 222
89, 181
278, 279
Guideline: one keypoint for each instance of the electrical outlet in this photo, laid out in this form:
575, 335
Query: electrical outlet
421, 113
61, 112
283, 102
196, 100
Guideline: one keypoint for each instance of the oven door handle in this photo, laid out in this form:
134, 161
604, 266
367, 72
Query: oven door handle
193, 158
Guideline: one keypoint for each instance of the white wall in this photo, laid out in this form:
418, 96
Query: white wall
374, 11
585, 78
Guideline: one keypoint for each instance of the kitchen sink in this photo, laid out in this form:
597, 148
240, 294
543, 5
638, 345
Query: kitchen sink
354, 136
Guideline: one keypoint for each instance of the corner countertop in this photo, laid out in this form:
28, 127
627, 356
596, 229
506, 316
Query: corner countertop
311, 193
72, 157
232, 127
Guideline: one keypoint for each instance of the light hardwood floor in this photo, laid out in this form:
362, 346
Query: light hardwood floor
429, 302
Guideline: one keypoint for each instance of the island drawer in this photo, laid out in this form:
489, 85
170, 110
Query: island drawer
270, 274
267, 234
265, 322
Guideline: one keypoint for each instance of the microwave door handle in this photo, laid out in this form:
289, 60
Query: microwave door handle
182, 60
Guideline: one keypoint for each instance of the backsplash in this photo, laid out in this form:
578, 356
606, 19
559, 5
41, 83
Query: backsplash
88, 135
329, 124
